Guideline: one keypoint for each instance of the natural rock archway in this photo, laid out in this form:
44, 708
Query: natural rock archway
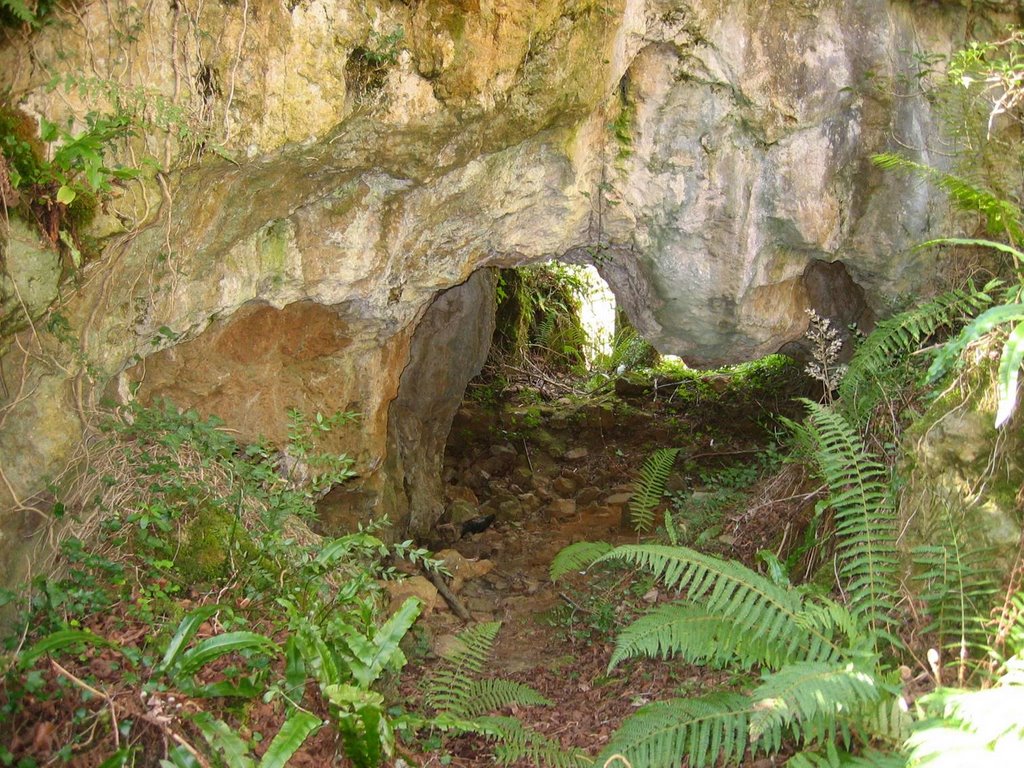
702, 154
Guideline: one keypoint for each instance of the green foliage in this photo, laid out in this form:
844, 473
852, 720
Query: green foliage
629, 351
577, 557
808, 697
990, 72
760, 613
901, 334
864, 519
538, 315
25, 13
62, 192
650, 487
234, 750
820, 680
709, 730
1002, 217
460, 699
368, 64
823, 681
287, 616
961, 727
692, 634
957, 586
989, 323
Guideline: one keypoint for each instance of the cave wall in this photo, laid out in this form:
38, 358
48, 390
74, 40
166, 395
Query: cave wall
702, 153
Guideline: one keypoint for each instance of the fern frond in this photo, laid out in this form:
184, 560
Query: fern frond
830, 617
517, 742
984, 323
903, 333
688, 631
957, 588
577, 557
888, 722
838, 758
864, 519
490, 695
972, 728
461, 702
808, 698
729, 589
705, 731
546, 329
1001, 216
450, 687
650, 487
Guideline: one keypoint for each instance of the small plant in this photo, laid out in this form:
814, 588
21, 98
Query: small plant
25, 13
825, 347
194, 577
62, 192
824, 671
463, 701
368, 64
650, 488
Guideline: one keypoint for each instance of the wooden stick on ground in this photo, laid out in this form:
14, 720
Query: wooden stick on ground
449, 597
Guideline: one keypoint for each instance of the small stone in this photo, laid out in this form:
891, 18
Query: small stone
676, 483
522, 476
576, 454
510, 510
561, 509
651, 596
564, 486
497, 583
416, 586
462, 568
530, 502
460, 511
618, 499
446, 645
461, 493
480, 604
588, 495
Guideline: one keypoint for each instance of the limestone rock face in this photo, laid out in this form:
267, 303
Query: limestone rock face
703, 153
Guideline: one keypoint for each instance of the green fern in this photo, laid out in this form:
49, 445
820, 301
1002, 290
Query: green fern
971, 728
888, 722
461, 702
807, 697
1011, 357
864, 519
753, 605
903, 333
820, 680
956, 588
19, 10
650, 487
516, 742
1001, 216
708, 730
694, 635
835, 757
577, 557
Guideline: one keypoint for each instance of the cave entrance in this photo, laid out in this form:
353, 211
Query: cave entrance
555, 318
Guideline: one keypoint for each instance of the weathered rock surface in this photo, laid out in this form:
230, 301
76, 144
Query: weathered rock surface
377, 170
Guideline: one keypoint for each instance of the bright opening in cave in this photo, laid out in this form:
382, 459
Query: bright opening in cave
597, 313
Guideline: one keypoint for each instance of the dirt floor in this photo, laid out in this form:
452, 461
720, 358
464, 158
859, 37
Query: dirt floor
543, 476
